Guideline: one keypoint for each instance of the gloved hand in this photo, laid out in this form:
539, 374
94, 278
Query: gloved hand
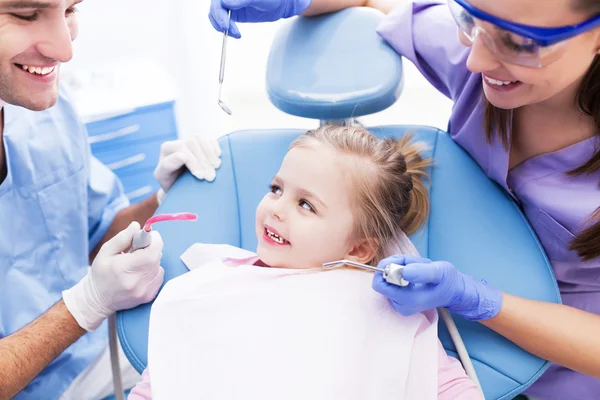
438, 284
116, 280
252, 11
200, 156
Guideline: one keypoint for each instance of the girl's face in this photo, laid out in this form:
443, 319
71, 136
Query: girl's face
306, 218
556, 82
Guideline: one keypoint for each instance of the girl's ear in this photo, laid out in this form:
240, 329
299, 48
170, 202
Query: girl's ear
363, 251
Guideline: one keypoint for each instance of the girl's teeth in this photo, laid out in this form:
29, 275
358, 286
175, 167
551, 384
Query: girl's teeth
275, 237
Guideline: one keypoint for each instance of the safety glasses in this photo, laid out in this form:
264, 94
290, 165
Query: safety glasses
524, 45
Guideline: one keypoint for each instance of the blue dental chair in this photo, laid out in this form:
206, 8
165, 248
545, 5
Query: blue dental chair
335, 68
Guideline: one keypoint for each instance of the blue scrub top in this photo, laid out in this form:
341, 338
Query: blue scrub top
56, 204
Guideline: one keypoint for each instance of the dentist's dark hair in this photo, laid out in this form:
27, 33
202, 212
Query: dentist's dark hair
388, 176
497, 125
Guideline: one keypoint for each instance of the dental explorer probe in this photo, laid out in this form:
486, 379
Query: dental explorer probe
222, 104
393, 274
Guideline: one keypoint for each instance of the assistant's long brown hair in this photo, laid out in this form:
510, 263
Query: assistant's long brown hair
497, 122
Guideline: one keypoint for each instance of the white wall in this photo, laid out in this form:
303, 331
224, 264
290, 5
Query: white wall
177, 35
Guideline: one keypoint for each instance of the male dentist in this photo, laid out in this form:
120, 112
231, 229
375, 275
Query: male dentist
59, 209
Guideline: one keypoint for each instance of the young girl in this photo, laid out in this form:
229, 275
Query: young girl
274, 324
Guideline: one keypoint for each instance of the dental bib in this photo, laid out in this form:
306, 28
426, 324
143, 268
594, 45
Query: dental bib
249, 332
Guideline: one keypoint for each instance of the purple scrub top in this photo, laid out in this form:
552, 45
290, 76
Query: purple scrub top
556, 205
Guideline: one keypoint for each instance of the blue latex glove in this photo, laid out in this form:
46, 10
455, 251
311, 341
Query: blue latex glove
252, 11
438, 284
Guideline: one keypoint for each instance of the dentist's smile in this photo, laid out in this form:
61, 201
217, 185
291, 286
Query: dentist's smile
38, 73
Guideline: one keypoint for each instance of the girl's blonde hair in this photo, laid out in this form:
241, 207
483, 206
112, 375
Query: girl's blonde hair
389, 181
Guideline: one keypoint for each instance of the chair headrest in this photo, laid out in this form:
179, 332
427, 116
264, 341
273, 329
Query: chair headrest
333, 67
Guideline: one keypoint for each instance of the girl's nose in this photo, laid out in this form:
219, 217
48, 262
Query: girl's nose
277, 211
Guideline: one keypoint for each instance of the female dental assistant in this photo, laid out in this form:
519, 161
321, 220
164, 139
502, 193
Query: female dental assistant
527, 109
59, 208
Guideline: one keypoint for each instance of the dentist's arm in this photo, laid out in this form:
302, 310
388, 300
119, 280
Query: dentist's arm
273, 10
558, 333
116, 281
27, 352
326, 6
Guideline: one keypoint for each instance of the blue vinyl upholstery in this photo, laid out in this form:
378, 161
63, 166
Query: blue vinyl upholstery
473, 224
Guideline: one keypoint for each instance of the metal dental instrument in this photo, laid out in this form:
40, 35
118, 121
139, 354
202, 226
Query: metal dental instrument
392, 273
222, 104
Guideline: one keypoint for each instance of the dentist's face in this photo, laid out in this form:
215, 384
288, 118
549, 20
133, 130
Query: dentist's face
560, 79
35, 38
306, 219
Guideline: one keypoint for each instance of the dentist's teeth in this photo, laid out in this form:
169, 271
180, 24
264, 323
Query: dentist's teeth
37, 70
497, 82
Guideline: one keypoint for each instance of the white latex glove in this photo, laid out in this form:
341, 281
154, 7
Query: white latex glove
200, 156
116, 280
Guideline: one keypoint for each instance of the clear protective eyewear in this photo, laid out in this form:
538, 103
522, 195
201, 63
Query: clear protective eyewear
514, 43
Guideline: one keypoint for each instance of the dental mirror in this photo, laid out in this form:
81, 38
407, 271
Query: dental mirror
222, 104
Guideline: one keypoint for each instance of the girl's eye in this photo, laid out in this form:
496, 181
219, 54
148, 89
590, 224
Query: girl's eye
306, 205
275, 189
